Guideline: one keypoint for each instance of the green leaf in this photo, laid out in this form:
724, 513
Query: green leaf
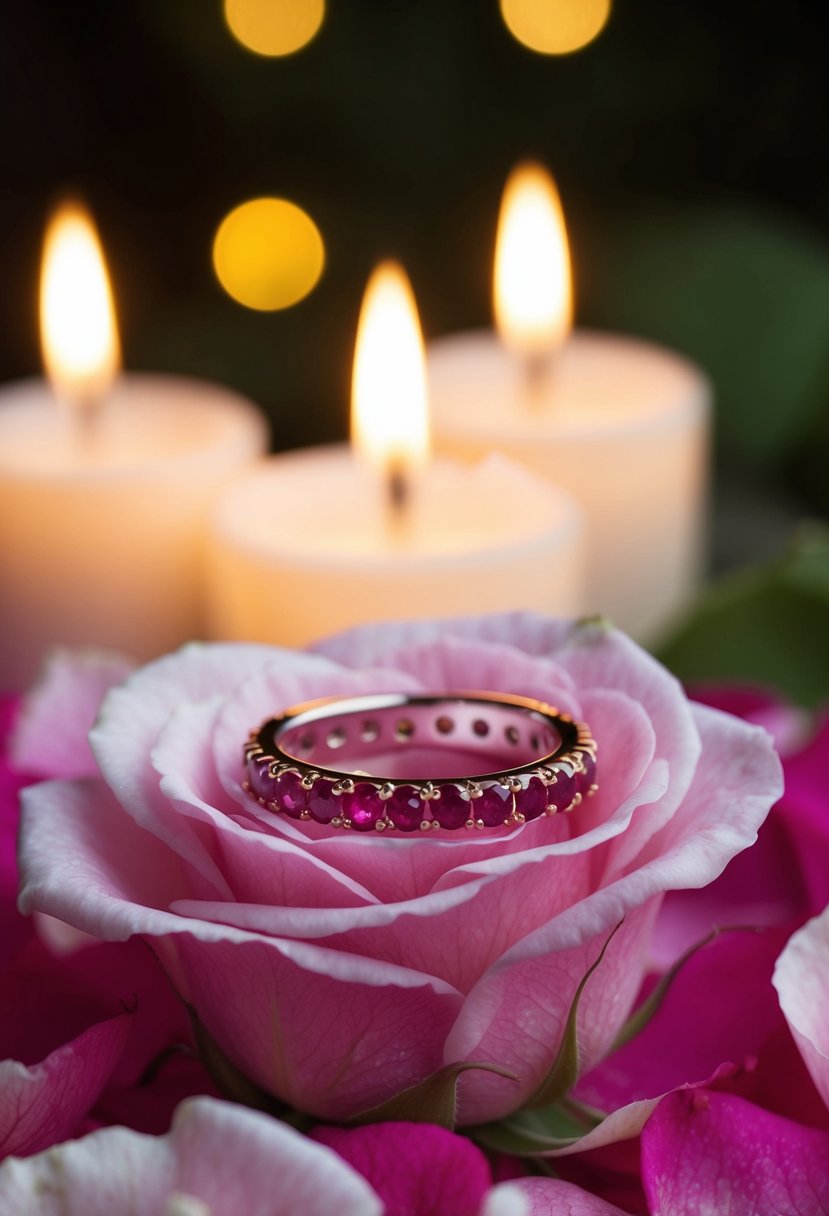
746, 294
431, 1101
530, 1132
766, 625
564, 1073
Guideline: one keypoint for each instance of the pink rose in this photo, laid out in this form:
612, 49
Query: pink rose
335, 969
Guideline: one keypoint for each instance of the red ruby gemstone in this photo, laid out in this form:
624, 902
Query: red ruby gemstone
405, 809
289, 794
561, 794
453, 809
532, 801
262, 785
493, 806
588, 777
364, 807
322, 803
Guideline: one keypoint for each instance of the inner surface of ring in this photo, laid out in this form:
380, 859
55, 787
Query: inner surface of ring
444, 738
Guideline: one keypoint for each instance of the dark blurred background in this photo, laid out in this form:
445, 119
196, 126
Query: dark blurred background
688, 140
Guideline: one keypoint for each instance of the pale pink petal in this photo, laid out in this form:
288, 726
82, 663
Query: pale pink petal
705, 1152
43, 1103
550, 1197
114, 1172
133, 714
737, 781
414, 1167
238, 862
85, 861
801, 978
241, 1162
236, 1162
516, 1014
51, 737
462, 664
366, 645
506, 1200
327, 1032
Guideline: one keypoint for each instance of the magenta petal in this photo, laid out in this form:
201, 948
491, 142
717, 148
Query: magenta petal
415, 1168
43, 1104
720, 1009
705, 1152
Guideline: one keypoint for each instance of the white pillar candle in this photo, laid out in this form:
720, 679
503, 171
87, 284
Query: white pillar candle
105, 481
301, 547
623, 426
102, 543
316, 541
619, 423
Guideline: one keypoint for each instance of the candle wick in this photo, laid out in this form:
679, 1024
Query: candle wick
399, 489
538, 372
87, 412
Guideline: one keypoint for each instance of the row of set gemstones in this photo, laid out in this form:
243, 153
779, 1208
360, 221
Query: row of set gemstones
365, 806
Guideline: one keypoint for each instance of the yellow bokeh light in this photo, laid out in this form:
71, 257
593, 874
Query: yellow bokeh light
532, 290
389, 407
268, 254
274, 27
78, 329
555, 27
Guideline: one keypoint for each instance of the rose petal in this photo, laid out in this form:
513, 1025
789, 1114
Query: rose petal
44, 1103
516, 1014
51, 738
550, 1197
231, 1159
132, 715
706, 1152
414, 1167
801, 978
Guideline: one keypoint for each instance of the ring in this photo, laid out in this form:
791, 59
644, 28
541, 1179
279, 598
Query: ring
288, 762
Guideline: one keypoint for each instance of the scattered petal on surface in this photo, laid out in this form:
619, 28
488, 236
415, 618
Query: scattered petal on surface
802, 982
236, 1162
705, 1153
415, 1168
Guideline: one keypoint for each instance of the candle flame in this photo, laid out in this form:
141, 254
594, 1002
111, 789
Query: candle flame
389, 409
78, 328
533, 291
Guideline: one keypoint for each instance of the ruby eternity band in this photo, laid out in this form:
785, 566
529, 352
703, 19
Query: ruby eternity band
527, 760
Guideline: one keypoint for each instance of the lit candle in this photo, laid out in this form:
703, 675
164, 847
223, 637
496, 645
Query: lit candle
105, 479
319, 540
619, 423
